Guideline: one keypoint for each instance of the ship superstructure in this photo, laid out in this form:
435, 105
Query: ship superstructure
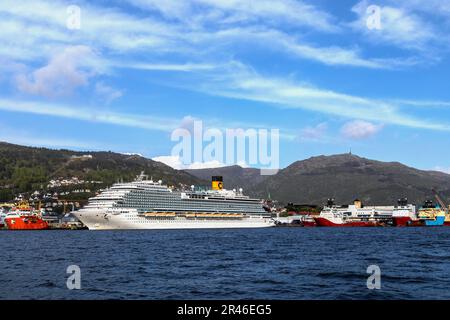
431, 215
24, 217
146, 204
355, 215
404, 214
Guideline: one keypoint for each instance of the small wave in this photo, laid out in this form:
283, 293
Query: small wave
341, 275
47, 284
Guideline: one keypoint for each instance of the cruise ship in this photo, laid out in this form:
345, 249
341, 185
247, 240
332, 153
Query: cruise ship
146, 204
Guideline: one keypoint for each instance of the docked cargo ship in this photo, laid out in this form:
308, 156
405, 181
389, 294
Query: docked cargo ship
444, 207
404, 214
23, 217
431, 215
354, 215
145, 204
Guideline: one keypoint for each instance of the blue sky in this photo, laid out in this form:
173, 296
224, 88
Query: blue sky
136, 70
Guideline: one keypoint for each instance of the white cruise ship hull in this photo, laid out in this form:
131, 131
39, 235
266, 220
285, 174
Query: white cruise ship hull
99, 220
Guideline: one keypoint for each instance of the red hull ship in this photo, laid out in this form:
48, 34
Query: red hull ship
24, 217
26, 223
323, 222
354, 215
404, 214
309, 223
401, 221
406, 222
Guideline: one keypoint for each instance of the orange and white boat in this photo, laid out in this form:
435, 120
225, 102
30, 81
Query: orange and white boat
24, 217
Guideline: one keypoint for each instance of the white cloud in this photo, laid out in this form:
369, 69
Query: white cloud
292, 12
225, 23
442, 169
434, 7
205, 165
100, 115
422, 103
359, 129
44, 23
60, 76
92, 114
107, 93
184, 67
188, 123
216, 24
314, 133
328, 55
399, 26
177, 163
238, 81
169, 8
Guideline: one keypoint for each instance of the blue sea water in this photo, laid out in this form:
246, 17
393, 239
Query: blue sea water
275, 263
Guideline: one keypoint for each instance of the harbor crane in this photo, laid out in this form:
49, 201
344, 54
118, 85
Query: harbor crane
440, 201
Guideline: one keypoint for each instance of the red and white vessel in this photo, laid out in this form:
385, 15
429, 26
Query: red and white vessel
23, 217
354, 215
404, 214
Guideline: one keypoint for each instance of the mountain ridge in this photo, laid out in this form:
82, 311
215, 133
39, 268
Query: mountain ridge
309, 181
25, 169
346, 177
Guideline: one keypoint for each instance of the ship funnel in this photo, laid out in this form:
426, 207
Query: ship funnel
217, 183
358, 204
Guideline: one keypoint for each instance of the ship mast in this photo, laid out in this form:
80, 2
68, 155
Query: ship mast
142, 176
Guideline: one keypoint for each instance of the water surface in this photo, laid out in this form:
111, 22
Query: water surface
274, 263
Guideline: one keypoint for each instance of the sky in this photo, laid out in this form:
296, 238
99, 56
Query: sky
332, 76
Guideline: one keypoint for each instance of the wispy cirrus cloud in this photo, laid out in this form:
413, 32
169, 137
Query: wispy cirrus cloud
223, 12
238, 81
422, 103
327, 55
404, 25
132, 120
180, 67
181, 30
190, 39
91, 114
